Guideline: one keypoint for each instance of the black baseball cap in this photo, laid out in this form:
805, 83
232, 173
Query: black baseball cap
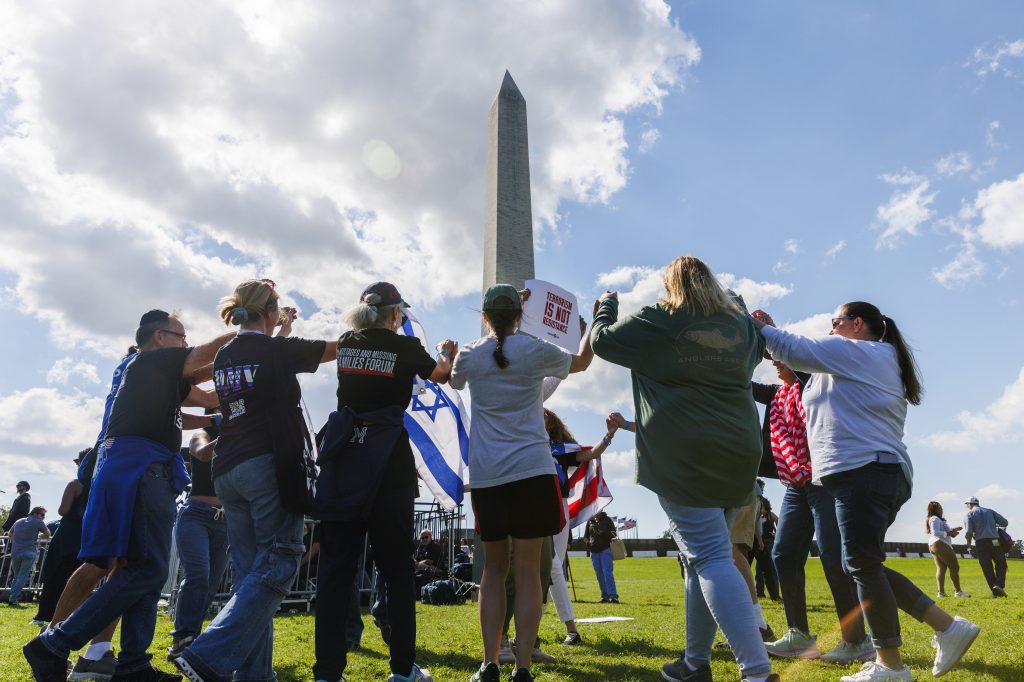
23, 484
382, 294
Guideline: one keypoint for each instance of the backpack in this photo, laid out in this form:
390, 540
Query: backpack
1005, 541
439, 593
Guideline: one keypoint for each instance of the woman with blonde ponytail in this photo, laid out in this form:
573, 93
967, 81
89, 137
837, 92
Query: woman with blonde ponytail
254, 375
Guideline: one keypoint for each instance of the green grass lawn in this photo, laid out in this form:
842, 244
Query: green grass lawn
651, 591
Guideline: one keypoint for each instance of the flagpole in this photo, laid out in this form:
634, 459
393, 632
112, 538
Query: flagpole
568, 566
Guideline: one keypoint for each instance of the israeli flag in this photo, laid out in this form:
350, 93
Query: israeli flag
438, 426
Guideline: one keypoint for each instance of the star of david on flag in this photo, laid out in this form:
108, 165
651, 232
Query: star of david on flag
438, 426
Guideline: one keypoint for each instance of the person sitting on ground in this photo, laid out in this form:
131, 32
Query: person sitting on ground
940, 544
24, 534
427, 558
982, 525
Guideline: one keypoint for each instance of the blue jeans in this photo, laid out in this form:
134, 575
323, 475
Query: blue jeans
21, 569
867, 501
202, 538
266, 547
604, 567
132, 592
716, 594
807, 512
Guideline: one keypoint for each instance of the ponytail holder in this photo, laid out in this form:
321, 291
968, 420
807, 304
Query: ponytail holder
239, 315
885, 327
373, 299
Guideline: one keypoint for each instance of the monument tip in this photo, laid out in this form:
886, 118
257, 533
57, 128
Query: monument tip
508, 85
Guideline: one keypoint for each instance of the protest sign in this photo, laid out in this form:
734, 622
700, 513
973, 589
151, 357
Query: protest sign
552, 314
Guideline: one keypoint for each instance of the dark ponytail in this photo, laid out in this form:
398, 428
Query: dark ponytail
132, 350
499, 321
887, 332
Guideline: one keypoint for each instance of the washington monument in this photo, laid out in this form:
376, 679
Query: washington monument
508, 232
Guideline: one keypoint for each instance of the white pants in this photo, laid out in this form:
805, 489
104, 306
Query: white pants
559, 591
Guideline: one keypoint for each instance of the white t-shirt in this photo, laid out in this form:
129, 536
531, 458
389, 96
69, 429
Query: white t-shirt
939, 531
508, 441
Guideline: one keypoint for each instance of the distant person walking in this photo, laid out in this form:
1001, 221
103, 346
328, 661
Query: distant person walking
940, 544
982, 525
24, 534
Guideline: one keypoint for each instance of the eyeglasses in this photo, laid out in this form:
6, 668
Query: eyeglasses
836, 321
168, 331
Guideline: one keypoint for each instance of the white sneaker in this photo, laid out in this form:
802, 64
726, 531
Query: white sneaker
952, 644
874, 670
961, 594
941, 595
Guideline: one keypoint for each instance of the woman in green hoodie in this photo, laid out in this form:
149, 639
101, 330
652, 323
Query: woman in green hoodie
691, 357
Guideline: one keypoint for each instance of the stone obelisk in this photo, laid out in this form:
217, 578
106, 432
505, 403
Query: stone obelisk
508, 231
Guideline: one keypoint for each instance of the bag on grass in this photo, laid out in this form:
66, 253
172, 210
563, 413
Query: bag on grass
439, 593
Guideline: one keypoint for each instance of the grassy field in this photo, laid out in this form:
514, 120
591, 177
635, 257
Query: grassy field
651, 591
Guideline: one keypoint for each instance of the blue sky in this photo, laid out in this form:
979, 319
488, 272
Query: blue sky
811, 153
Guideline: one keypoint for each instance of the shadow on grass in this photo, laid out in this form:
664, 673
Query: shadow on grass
634, 646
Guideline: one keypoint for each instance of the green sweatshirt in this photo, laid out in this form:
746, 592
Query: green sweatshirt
698, 435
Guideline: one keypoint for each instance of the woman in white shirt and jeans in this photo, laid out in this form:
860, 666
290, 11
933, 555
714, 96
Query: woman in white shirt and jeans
940, 544
863, 375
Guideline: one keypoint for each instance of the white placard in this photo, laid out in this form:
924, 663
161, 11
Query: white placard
552, 314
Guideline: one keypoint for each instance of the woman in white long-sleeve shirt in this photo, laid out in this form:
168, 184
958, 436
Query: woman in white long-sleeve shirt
863, 375
940, 544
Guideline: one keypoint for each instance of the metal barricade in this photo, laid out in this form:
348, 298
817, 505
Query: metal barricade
34, 586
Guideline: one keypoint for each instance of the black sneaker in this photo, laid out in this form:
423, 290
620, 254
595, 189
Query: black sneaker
522, 675
46, 665
678, 671
572, 639
102, 669
149, 674
176, 648
487, 673
767, 635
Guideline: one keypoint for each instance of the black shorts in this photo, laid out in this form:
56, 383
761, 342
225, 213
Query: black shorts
524, 509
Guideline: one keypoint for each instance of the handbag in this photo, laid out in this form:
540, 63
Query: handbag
618, 548
1005, 541
294, 458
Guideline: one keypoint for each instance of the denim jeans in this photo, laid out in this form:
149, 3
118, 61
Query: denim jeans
132, 592
807, 512
604, 567
21, 568
266, 547
990, 553
867, 501
202, 538
716, 594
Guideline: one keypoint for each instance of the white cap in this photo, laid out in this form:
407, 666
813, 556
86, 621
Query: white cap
971, 500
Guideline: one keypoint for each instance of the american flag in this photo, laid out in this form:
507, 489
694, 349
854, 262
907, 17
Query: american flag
588, 492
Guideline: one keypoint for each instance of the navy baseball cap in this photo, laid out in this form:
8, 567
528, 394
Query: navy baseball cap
382, 294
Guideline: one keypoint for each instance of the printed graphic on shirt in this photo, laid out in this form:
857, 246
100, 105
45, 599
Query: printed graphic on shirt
366, 361
708, 342
234, 380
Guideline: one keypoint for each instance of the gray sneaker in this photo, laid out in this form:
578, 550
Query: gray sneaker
794, 644
844, 652
102, 669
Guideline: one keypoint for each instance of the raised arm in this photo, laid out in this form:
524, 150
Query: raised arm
582, 359
202, 355
598, 450
447, 351
200, 397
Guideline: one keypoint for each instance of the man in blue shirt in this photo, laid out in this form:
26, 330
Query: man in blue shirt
982, 525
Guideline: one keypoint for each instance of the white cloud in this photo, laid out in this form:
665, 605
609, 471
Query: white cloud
964, 268
834, 250
815, 326
906, 210
990, 134
156, 168
619, 468
953, 164
1001, 207
946, 497
46, 416
1001, 421
792, 245
648, 139
987, 60
755, 294
995, 491
67, 368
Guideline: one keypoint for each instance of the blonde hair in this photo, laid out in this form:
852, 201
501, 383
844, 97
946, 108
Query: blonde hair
690, 285
369, 313
251, 300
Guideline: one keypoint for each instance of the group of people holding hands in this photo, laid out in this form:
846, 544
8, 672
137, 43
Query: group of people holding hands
835, 426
